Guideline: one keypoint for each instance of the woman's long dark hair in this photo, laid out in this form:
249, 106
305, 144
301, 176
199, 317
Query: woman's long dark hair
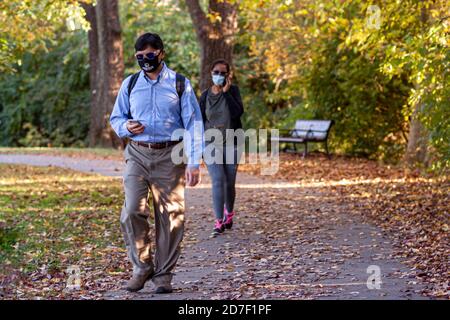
220, 61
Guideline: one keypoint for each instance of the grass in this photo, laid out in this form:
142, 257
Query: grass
52, 218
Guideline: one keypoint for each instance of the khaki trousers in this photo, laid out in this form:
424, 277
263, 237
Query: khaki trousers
152, 169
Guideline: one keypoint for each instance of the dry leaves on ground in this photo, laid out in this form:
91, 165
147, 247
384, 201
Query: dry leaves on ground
413, 208
52, 219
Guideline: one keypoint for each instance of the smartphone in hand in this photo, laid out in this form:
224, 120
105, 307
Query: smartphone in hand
135, 126
131, 121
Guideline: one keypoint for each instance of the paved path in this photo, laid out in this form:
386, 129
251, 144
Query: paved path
288, 242
111, 168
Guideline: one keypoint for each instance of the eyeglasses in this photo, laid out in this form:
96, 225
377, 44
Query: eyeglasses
150, 55
217, 72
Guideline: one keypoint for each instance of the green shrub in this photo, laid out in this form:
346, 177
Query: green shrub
47, 101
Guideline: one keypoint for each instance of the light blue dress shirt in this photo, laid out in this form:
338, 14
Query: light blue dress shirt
156, 105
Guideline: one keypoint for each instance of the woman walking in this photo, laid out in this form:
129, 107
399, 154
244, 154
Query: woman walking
221, 107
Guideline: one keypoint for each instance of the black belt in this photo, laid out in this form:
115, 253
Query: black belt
156, 145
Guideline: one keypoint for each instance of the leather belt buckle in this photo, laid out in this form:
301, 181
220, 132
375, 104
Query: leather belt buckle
156, 145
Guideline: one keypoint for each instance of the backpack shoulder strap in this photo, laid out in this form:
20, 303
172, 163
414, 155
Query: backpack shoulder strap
131, 85
180, 85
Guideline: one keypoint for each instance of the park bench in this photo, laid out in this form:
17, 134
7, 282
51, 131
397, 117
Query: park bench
306, 131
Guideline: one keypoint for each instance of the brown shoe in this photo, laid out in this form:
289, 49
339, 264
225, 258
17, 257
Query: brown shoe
167, 288
137, 282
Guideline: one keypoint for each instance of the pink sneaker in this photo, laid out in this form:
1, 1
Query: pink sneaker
228, 218
219, 227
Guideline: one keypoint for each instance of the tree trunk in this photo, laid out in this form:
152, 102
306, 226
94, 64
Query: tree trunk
93, 57
215, 37
107, 70
418, 136
417, 149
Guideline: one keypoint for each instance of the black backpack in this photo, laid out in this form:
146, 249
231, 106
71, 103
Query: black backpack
179, 82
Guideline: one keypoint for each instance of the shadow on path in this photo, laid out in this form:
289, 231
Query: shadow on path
287, 243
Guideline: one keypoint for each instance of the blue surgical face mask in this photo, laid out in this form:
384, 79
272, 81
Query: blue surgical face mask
218, 79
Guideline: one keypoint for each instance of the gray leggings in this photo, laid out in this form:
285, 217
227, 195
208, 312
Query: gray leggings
223, 178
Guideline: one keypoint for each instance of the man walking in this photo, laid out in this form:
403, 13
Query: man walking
150, 106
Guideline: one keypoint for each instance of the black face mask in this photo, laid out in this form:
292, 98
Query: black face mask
148, 62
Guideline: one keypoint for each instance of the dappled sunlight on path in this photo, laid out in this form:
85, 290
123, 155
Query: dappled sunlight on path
294, 240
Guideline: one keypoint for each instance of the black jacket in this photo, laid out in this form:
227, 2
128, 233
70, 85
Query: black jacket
234, 103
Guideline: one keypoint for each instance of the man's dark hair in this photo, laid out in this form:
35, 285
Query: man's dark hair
149, 40
221, 61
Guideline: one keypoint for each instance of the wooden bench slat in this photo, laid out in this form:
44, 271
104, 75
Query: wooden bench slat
287, 139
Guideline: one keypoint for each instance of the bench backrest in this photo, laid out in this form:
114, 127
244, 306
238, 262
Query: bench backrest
312, 129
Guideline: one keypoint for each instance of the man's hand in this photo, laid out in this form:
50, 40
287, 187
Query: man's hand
135, 127
192, 176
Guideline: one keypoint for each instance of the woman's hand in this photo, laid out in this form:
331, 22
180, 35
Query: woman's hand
227, 85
